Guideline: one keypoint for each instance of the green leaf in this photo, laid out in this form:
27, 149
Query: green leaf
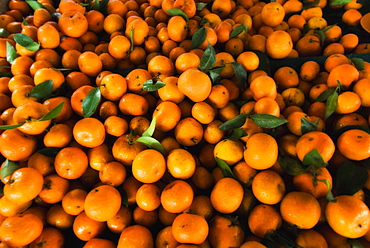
233, 123
350, 178
43, 90
238, 30
151, 86
178, 12
35, 46
100, 5
291, 166
35, 4
198, 38
325, 95
268, 121
314, 158
149, 132
132, 30
309, 3
331, 104
200, 5
151, 143
8, 127
52, 113
237, 133
214, 73
355, 243
225, 168
358, 63
308, 126
91, 102
49, 151
329, 196
23, 39
321, 34
11, 54
4, 32
339, 2
124, 196
240, 72
9, 167
208, 59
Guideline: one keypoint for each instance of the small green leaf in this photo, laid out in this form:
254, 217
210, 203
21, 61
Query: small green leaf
52, 113
23, 39
235, 122
149, 132
49, 151
329, 196
321, 34
9, 167
308, 126
350, 178
358, 63
309, 3
237, 133
240, 72
331, 104
9, 127
355, 243
151, 86
35, 46
178, 12
339, 2
132, 30
268, 121
208, 59
11, 54
238, 30
198, 38
214, 73
100, 5
91, 102
35, 4
291, 166
325, 95
4, 32
43, 90
314, 158
200, 5
225, 168
151, 143
124, 196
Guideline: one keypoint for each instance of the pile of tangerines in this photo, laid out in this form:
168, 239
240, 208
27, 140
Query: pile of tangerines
152, 123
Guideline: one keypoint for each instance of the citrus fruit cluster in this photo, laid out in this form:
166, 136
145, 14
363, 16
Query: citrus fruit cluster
159, 123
